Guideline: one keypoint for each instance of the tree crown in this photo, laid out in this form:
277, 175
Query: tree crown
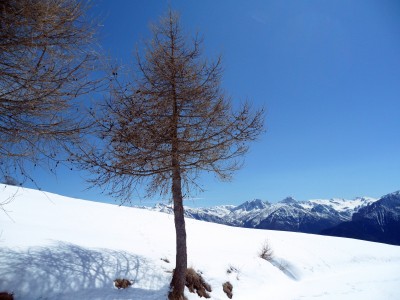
175, 113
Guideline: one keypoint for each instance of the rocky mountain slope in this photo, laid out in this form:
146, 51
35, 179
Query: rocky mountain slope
377, 222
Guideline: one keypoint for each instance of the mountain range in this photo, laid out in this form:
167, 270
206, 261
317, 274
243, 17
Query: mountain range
364, 218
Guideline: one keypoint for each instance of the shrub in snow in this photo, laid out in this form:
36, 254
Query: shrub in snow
227, 288
196, 283
266, 251
232, 270
122, 283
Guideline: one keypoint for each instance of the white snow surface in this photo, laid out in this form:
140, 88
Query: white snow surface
54, 247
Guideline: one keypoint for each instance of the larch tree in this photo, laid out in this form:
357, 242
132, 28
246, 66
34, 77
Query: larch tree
171, 123
45, 66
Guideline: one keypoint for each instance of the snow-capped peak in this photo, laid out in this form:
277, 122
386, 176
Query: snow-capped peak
255, 204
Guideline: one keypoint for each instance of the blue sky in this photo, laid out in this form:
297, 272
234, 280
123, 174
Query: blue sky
327, 72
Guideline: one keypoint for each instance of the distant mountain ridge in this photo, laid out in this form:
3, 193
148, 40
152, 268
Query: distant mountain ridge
363, 218
288, 214
377, 222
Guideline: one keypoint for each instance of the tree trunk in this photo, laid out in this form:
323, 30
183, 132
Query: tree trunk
179, 276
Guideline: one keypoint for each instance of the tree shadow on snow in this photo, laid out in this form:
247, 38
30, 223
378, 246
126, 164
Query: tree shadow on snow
66, 271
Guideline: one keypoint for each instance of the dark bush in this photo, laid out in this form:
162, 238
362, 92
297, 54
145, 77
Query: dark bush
122, 283
196, 283
266, 252
227, 288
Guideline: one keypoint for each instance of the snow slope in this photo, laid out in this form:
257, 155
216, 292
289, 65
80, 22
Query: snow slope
54, 247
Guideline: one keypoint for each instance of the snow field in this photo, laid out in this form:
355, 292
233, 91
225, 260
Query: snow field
54, 247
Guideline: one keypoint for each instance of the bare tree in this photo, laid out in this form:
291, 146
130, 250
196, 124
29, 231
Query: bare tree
171, 123
45, 62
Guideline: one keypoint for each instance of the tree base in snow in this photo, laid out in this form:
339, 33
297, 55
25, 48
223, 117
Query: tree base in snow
195, 283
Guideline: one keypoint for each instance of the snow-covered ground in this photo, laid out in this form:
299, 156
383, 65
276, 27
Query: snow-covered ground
54, 247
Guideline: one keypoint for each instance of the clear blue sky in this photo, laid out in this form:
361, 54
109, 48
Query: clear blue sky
328, 73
